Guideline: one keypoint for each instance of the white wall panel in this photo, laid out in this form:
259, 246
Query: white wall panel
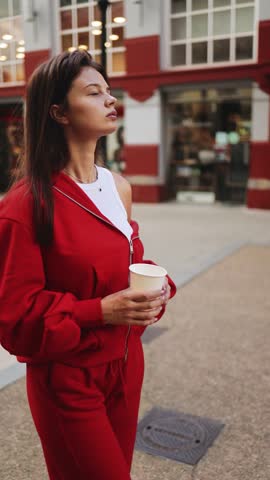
143, 19
260, 115
37, 33
264, 9
142, 120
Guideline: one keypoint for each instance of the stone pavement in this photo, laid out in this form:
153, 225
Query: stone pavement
212, 361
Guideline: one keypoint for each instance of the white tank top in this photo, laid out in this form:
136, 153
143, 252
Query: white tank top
105, 196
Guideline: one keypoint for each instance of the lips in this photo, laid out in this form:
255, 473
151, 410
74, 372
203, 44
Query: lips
112, 114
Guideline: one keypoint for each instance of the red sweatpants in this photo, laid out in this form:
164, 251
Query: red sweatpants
86, 418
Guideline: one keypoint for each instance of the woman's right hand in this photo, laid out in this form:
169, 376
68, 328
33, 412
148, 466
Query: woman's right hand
130, 307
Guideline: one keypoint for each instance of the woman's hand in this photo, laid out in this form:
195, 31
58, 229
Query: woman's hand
166, 290
129, 307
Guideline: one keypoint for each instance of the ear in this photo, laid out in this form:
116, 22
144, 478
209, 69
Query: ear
57, 113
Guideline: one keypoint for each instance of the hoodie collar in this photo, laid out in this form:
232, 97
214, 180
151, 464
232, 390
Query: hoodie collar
69, 187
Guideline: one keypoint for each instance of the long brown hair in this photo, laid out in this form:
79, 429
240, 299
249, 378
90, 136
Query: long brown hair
45, 146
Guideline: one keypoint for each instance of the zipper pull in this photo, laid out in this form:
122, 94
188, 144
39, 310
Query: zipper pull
131, 247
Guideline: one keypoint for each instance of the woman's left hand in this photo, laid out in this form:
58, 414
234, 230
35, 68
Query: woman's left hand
166, 289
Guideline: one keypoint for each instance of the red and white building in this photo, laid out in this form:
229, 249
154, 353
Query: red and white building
193, 82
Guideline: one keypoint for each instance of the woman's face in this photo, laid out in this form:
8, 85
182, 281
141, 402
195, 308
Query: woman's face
91, 108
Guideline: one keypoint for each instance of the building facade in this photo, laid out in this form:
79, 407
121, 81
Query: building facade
192, 79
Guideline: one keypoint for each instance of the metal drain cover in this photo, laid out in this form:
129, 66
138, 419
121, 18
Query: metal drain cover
181, 437
151, 333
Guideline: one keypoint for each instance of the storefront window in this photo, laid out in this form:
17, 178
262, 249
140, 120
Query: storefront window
80, 23
208, 135
219, 23
11, 44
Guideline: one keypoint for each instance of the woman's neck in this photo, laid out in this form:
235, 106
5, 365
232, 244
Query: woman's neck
81, 161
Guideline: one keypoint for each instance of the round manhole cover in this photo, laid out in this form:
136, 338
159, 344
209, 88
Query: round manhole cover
172, 433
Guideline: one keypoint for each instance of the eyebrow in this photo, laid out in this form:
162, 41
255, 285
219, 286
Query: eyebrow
96, 85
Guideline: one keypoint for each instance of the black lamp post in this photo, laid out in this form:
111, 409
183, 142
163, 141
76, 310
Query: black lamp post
103, 5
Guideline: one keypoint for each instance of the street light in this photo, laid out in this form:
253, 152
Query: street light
103, 5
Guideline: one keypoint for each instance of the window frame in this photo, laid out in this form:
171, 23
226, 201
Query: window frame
74, 31
13, 62
210, 38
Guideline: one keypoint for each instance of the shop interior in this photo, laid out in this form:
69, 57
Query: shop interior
208, 134
11, 139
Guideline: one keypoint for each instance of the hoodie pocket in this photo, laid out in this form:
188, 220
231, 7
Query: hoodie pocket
69, 387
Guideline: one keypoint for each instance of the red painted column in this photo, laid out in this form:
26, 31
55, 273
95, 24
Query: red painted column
258, 195
142, 160
33, 59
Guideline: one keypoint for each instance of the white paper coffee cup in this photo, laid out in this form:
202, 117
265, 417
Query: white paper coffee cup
144, 276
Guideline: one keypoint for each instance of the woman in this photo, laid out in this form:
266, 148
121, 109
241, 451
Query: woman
67, 240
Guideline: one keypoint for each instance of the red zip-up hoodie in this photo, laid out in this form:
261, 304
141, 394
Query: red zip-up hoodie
50, 298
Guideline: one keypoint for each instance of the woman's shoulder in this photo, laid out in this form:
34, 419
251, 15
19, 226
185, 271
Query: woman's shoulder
17, 203
124, 190
121, 182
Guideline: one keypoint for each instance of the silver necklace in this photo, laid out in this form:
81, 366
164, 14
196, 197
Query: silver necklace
81, 181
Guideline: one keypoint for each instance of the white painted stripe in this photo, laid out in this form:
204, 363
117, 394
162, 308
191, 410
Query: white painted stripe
260, 115
259, 184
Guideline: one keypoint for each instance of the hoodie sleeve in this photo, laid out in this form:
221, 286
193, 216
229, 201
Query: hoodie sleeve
170, 281
34, 320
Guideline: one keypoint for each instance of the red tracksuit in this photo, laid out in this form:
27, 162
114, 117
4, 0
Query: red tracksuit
83, 377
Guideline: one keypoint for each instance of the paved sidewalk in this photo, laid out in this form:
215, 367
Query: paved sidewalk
212, 361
